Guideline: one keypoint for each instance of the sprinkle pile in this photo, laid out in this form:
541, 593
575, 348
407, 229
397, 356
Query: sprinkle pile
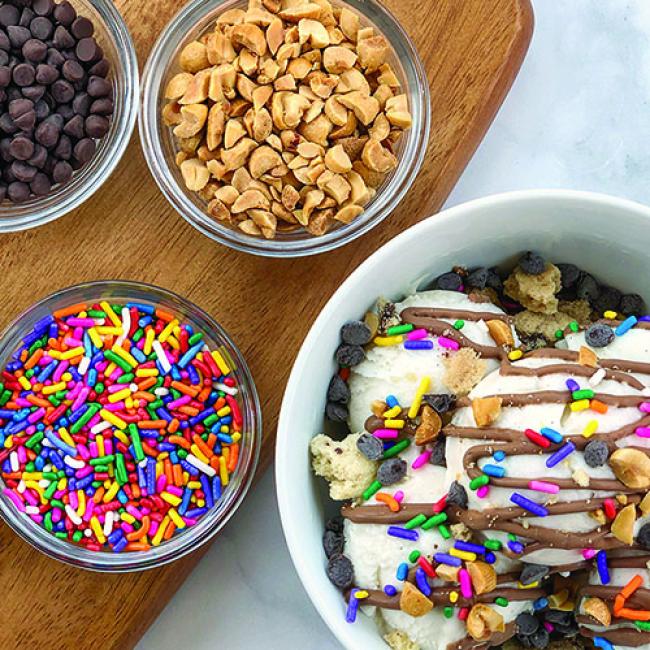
116, 431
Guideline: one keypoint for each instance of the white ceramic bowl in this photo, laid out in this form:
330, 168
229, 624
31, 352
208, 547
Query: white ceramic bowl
606, 236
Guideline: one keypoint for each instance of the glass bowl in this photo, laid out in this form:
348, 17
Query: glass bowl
160, 149
192, 537
114, 38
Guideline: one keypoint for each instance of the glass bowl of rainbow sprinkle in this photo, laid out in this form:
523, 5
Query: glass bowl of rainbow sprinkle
130, 426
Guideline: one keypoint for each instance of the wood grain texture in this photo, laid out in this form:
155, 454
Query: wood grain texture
472, 51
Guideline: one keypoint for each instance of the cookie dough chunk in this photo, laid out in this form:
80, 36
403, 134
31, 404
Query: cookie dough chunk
535, 292
463, 370
398, 640
579, 310
529, 322
342, 465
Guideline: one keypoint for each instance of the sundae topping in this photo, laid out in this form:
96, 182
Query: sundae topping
599, 335
340, 571
532, 263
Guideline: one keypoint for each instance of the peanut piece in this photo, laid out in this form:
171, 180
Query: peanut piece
195, 174
631, 467
194, 57
486, 410
413, 602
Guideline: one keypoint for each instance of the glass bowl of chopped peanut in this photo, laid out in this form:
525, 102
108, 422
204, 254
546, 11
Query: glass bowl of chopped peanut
284, 127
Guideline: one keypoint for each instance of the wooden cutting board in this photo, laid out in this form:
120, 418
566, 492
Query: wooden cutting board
472, 50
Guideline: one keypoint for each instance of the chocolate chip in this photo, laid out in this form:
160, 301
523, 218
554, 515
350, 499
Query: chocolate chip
101, 68
26, 17
48, 131
18, 192
46, 74
391, 471
5, 76
41, 185
63, 149
21, 148
18, 36
42, 110
75, 127
350, 355
333, 543
449, 282
438, 453
540, 638
643, 538
73, 71
7, 124
96, 126
35, 51
39, 157
532, 263
608, 300
65, 13
340, 571
441, 403
84, 150
526, 624
62, 172
24, 74
335, 523
632, 305
43, 7
596, 453
34, 93
477, 279
63, 39
336, 412
41, 28
558, 617
62, 91
5, 45
599, 335
82, 28
55, 58
338, 390
533, 573
9, 15
587, 288
103, 106
372, 448
569, 275
457, 496
87, 50
23, 172
355, 332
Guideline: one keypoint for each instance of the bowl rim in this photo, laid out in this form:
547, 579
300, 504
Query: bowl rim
106, 562
388, 199
117, 28
291, 526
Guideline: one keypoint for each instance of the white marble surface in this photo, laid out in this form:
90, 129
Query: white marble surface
577, 117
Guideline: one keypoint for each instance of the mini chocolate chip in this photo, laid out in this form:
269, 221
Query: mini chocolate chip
103, 106
391, 471
96, 126
333, 543
540, 638
63, 39
449, 282
87, 50
477, 279
5, 45
338, 390
63, 149
5, 76
35, 51
632, 305
372, 448
24, 74
532, 573
336, 412
73, 71
46, 74
526, 624
532, 263
22, 171
18, 36
599, 335
100, 69
350, 355
355, 332
41, 28
340, 571
9, 15
43, 7
596, 453
41, 185
39, 158
441, 403
62, 172
82, 28
457, 496
439, 453
62, 91
65, 13
21, 148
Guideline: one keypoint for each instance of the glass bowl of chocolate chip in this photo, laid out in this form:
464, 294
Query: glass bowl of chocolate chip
284, 128
68, 88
